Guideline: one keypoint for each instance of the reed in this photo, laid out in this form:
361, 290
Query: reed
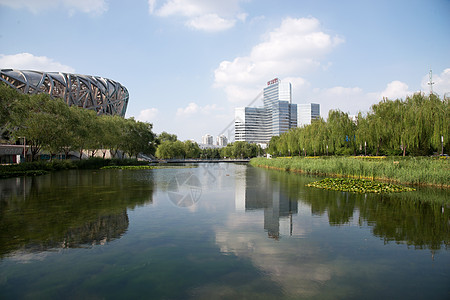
433, 171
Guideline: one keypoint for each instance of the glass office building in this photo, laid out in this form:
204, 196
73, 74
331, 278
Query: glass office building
278, 115
307, 113
250, 125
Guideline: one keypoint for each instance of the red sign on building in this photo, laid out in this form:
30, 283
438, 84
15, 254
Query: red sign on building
273, 81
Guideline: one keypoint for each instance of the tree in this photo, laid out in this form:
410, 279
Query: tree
43, 122
137, 138
191, 149
164, 136
9, 108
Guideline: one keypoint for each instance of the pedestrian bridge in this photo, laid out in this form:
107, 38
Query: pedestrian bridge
198, 160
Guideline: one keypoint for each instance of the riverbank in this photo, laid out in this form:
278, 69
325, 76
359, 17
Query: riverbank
43, 167
432, 171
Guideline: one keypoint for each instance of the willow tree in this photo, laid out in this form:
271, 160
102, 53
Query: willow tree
342, 132
440, 114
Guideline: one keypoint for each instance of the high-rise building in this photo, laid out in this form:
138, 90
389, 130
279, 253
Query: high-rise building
250, 125
307, 113
222, 140
278, 115
207, 139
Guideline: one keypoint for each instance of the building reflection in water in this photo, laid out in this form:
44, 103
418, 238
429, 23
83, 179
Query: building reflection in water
256, 190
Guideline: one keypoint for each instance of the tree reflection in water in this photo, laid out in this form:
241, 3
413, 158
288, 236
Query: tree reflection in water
69, 209
419, 219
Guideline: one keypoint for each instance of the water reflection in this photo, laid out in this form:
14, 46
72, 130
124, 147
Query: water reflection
307, 249
251, 234
414, 218
257, 190
68, 209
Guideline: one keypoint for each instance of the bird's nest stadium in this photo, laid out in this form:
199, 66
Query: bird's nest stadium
105, 96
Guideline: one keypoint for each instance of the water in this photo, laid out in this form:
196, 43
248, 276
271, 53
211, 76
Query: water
217, 231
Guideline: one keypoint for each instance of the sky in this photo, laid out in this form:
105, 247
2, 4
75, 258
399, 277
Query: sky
188, 64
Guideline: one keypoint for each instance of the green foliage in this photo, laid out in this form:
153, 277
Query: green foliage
358, 185
128, 167
241, 149
137, 138
408, 170
42, 167
164, 136
51, 125
177, 149
413, 126
188, 149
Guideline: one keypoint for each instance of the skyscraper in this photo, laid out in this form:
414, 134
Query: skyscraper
278, 115
207, 139
307, 113
250, 125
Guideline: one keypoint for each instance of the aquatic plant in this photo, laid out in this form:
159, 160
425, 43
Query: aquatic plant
358, 185
409, 170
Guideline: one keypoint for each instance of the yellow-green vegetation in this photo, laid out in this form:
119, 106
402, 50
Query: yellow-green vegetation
145, 167
405, 170
358, 185
129, 167
44, 167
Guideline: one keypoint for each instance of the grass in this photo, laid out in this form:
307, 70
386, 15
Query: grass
145, 167
43, 167
410, 170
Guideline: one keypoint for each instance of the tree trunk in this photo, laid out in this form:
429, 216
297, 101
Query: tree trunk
378, 147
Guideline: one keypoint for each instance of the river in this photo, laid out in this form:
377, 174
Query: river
217, 231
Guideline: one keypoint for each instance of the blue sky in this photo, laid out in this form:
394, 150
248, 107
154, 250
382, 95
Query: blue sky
188, 63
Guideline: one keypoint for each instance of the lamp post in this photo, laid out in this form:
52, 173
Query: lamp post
442, 145
24, 148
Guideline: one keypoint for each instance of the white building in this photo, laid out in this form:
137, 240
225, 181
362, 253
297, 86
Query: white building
307, 113
278, 115
250, 125
222, 140
207, 139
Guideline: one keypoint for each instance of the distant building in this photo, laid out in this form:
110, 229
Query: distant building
307, 113
281, 113
250, 125
278, 115
222, 140
207, 139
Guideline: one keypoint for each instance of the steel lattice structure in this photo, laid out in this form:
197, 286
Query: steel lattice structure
105, 96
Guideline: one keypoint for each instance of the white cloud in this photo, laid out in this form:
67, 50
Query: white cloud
205, 15
441, 84
395, 90
148, 115
194, 108
94, 7
210, 22
292, 49
347, 99
27, 61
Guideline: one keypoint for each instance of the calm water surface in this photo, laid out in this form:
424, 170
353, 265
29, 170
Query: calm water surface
217, 231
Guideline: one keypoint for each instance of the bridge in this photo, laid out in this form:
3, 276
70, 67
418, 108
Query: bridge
198, 160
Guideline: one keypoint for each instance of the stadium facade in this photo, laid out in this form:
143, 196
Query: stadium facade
105, 96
